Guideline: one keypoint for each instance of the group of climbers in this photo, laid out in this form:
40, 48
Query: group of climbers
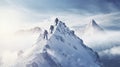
51, 29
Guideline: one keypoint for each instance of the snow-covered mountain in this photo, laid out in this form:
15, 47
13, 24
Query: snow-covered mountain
103, 41
63, 49
93, 35
93, 28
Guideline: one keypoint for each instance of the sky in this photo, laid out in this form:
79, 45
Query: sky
19, 14
91, 6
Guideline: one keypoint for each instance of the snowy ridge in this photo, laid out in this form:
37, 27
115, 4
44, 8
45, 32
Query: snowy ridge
63, 49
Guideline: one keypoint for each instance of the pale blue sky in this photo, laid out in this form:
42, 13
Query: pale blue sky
25, 13
90, 6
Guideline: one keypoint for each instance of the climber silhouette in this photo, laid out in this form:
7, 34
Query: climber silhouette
46, 34
56, 21
51, 29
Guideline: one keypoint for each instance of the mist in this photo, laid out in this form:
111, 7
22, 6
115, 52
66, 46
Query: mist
11, 43
26, 14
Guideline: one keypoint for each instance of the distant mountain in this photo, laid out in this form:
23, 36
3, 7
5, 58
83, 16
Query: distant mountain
63, 49
32, 30
93, 28
94, 25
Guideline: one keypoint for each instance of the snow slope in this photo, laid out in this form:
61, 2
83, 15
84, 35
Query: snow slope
63, 49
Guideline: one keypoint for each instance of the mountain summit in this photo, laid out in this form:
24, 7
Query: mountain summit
94, 25
92, 28
62, 49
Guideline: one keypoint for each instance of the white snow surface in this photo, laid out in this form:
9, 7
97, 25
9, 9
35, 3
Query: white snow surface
63, 49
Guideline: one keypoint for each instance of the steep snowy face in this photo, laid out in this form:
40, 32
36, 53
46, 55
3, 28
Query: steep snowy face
63, 49
92, 28
69, 50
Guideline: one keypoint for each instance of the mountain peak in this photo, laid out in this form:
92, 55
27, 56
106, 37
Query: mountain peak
64, 49
63, 29
93, 27
93, 23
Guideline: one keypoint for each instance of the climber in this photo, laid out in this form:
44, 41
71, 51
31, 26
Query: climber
56, 21
51, 29
46, 34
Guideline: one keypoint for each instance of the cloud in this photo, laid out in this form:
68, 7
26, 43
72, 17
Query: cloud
115, 51
96, 6
22, 14
8, 58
